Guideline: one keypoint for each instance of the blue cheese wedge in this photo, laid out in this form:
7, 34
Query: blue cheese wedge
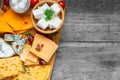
56, 9
5, 49
55, 22
18, 45
42, 23
12, 37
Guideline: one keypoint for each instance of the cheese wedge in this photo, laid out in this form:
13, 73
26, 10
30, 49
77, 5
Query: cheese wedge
12, 37
48, 49
4, 27
34, 73
10, 66
13, 19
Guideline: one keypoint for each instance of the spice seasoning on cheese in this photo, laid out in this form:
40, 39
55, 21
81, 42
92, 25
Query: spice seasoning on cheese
10, 66
47, 51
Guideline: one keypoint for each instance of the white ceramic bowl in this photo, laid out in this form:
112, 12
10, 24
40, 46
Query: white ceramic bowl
18, 10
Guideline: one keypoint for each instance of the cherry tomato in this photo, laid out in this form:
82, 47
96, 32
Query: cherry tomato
6, 2
42, 62
62, 4
34, 2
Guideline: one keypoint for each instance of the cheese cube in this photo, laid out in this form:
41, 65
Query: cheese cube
44, 7
55, 22
38, 13
42, 24
56, 9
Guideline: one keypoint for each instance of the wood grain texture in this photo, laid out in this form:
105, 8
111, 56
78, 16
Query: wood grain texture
92, 20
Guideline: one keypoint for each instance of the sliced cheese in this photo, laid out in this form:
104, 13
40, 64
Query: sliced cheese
4, 27
13, 19
48, 49
28, 63
10, 66
34, 73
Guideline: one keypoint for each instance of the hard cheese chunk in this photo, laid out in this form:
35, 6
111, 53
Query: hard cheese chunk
34, 73
18, 45
29, 63
55, 22
10, 66
56, 9
42, 24
48, 49
12, 37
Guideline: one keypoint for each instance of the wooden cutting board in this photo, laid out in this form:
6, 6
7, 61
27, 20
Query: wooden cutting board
54, 37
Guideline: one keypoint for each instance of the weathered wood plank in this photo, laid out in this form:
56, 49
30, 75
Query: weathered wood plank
92, 20
87, 61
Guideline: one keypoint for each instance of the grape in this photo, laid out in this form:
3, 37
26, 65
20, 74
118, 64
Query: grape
42, 62
30, 39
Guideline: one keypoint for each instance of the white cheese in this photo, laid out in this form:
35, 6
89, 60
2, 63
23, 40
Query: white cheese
5, 49
55, 22
14, 2
18, 45
16, 7
44, 7
25, 1
38, 13
21, 5
42, 24
55, 8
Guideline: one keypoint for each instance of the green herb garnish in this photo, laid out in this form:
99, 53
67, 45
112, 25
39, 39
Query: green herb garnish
49, 14
27, 33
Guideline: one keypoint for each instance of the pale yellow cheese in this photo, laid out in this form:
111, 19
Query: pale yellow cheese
10, 66
34, 73
27, 62
48, 49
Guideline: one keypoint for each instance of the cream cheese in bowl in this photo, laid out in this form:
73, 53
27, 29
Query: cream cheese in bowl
20, 6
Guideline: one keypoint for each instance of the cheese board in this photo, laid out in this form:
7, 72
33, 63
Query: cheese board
29, 53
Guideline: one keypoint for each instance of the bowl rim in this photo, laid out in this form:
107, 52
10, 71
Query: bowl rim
50, 31
20, 11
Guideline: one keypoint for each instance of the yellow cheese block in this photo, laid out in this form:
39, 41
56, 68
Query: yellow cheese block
13, 19
27, 62
48, 49
25, 51
4, 27
10, 66
34, 73
32, 57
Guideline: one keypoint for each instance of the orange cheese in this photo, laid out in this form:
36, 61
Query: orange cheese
48, 49
4, 27
13, 19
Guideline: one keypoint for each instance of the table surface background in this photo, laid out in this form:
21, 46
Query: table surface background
89, 47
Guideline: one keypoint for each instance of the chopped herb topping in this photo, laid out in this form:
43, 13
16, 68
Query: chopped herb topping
49, 14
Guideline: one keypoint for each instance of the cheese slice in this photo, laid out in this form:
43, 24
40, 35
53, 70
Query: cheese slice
34, 73
48, 49
10, 66
13, 19
4, 27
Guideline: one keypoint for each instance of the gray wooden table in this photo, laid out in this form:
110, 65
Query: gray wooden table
90, 41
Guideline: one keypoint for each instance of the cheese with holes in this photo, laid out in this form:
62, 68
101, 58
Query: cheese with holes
10, 66
48, 50
34, 73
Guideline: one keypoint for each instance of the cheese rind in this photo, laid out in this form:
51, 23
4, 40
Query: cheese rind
10, 67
